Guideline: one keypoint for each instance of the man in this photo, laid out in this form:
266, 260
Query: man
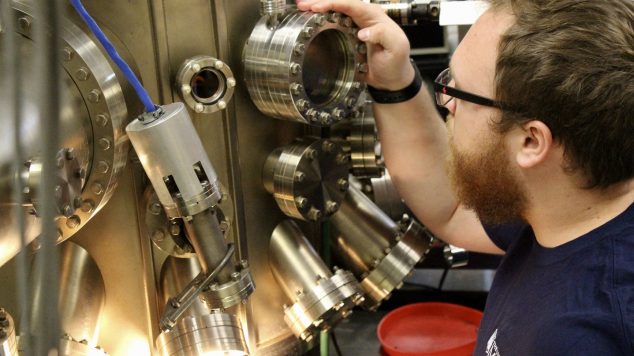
540, 145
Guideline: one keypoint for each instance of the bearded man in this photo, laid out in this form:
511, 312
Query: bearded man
539, 151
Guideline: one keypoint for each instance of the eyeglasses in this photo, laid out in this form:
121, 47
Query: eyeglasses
445, 93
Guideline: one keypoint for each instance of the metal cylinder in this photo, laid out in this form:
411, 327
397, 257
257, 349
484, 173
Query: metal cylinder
176, 273
208, 240
320, 298
8, 342
386, 197
362, 232
175, 161
210, 334
309, 68
205, 83
82, 293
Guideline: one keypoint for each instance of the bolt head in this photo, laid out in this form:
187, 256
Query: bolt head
68, 211
231, 82
362, 67
199, 108
311, 114
299, 49
218, 65
94, 96
296, 88
343, 184
104, 144
155, 208
102, 120
314, 214
337, 114
311, 153
73, 221
362, 48
299, 176
87, 206
175, 230
325, 118
235, 276
158, 235
308, 32
186, 89
332, 207
327, 146
222, 104
67, 54
295, 68
103, 167
82, 74
301, 202
301, 104
196, 67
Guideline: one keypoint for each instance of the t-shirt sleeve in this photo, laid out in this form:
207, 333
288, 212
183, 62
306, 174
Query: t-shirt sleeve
505, 234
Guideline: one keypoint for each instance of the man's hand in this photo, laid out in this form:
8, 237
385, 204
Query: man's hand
388, 47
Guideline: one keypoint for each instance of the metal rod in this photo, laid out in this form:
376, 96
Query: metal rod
10, 74
47, 31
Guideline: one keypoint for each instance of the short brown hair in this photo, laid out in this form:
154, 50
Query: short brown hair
570, 64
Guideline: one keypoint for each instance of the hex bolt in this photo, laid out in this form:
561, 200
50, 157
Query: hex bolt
301, 104
87, 206
67, 54
362, 67
311, 114
222, 104
24, 24
199, 108
343, 184
68, 210
387, 250
155, 208
224, 225
337, 114
334, 17
311, 153
186, 89
362, 48
350, 101
73, 221
354, 31
158, 235
103, 167
83, 74
231, 82
308, 32
295, 68
299, 176
299, 49
331, 207
347, 21
104, 144
235, 276
97, 188
102, 120
343, 159
301, 202
244, 264
325, 118
327, 146
314, 214
218, 65
356, 85
196, 67
319, 20
296, 88
94, 96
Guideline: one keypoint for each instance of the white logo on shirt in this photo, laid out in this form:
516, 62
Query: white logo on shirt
492, 347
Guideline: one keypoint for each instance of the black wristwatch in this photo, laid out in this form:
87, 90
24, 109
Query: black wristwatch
398, 96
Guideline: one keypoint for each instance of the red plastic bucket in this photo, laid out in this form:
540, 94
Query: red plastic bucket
429, 329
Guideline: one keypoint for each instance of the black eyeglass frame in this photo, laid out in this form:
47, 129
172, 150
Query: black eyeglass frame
440, 88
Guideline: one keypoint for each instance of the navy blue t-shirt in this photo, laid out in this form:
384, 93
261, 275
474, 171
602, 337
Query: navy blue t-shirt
574, 299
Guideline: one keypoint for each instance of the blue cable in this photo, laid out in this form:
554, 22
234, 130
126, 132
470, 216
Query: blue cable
112, 52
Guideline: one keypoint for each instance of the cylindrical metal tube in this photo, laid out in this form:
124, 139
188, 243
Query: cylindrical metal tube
361, 231
175, 161
81, 293
8, 342
208, 240
293, 260
176, 274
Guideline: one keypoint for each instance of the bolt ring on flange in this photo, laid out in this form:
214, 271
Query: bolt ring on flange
205, 83
310, 68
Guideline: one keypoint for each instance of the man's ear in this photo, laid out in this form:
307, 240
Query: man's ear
536, 143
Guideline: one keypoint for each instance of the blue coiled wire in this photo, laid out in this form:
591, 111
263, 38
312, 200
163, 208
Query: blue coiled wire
112, 52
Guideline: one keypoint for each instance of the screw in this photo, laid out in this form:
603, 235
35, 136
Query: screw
362, 67
224, 225
356, 85
311, 114
347, 22
222, 104
308, 32
337, 114
218, 64
24, 23
301, 104
310, 153
102, 120
196, 67
231, 82
296, 88
314, 214
186, 89
299, 49
73, 221
334, 17
235, 276
244, 264
155, 208
295, 68
331, 207
67, 54
199, 108
94, 96
319, 20
67, 210
299, 176
103, 167
343, 184
325, 118
104, 144
342, 159
97, 188
327, 146
301, 202
87, 206
350, 101
59, 162
387, 250
362, 48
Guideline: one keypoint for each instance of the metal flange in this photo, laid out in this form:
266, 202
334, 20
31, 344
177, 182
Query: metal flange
205, 83
8, 341
324, 305
308, 178
70, 346
308, 68
94, 78
213, 333
228, 294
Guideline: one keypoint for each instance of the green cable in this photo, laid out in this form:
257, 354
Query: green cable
323, 343
325, 255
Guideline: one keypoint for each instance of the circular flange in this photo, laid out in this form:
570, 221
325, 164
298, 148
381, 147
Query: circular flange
222, 296
310, 68
308, 178
167, 234
8, 341
365, 150
70, 346
215, 333
399, 261
205, 83
103, 96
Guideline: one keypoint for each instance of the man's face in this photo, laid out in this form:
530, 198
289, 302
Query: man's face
481, 170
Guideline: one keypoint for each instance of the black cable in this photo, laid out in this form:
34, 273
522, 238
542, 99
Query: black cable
442, 278
334, 342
